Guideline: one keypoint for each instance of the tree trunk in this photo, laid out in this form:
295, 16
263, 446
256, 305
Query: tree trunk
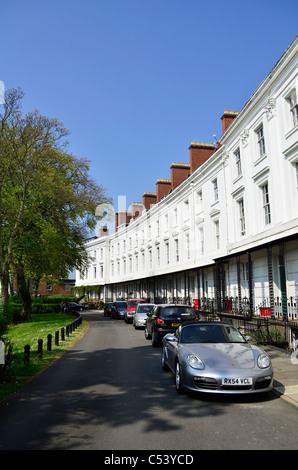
25, 294
4, 287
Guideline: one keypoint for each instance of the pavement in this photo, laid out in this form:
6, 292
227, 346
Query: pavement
285, 367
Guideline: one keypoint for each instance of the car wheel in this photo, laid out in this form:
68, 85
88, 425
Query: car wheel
178, 378
147, 335
164, 364
154, 340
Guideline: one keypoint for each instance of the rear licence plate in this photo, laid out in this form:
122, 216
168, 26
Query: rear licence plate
175, 324
237, 381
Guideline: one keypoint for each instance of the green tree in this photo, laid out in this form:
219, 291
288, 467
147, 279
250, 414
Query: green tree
47, 200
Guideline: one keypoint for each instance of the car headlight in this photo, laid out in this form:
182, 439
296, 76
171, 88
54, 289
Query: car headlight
263, 361
195, 362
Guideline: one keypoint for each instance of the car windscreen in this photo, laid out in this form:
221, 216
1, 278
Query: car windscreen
121, 304
144, 308
174, 311
210, 334
133, 303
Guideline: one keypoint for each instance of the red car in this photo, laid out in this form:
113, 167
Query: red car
131, 308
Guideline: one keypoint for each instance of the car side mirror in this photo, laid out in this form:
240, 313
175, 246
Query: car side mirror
172, 338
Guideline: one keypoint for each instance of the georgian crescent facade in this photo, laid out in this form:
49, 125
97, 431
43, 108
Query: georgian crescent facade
222, 231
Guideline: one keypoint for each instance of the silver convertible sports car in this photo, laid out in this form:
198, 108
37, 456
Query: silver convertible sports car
214, 357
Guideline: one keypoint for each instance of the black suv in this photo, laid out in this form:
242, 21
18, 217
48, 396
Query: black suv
165, 318
118, 309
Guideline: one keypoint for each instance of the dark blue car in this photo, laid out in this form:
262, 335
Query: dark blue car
118, 309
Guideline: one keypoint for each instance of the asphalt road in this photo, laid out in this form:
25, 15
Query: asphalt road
108, 392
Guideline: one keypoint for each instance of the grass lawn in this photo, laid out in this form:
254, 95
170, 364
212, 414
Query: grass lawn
29, 332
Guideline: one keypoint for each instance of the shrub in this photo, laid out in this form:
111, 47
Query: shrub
6, 317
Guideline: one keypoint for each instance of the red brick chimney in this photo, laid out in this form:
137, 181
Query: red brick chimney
179, 172
227, 119
103, 231
163, 187
137, 209
122, 217
199, 152
149, 199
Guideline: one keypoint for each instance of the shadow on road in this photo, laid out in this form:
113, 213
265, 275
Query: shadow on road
107, 387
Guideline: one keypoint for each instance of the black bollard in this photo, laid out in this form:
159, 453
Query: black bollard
40, 342
57, 338
49, 344
27, 353
62, 334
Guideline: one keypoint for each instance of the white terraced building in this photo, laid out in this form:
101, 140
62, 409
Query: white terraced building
222, 231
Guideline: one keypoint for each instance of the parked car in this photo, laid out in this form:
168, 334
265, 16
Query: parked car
77, 307
131, 307
165, 318
107, 309
118, 309
214, 357
140, 315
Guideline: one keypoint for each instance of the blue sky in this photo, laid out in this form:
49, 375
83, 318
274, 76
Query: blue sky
135, 81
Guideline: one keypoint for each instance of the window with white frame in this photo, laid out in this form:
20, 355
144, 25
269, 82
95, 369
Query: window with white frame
201, 234
187, 245
292, 100
261, 141
158, 256
238, 165
143, 261
177, 249
266, 203
244, 274
186, 209
215, 190
216, 232
199, 200
241, 216
175, 216
166, 222
167, 252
